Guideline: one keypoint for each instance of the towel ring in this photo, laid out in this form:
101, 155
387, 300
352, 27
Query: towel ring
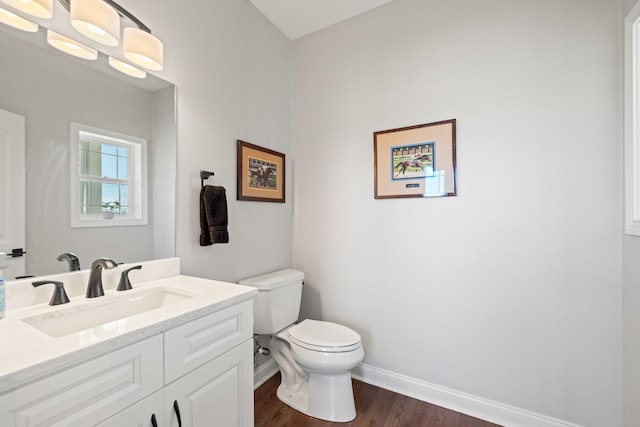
205, 175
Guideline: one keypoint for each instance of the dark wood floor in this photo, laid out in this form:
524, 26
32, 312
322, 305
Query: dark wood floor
374, 407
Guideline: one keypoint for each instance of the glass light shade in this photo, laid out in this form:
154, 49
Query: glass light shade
70, 46
142, 48
96, 20
15, 21
38, 8
127, 69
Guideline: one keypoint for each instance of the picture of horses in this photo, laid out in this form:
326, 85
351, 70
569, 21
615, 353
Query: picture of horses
413, 161
263, 174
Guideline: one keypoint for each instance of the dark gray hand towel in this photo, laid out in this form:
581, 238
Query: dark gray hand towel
213, 216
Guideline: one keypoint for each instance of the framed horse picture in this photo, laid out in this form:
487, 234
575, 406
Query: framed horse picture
261, 174
415, 161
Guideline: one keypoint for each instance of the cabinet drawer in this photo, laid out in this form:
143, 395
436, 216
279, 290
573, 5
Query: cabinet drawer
89, 392
195, 343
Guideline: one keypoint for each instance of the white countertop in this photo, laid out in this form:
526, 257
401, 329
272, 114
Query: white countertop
26, 352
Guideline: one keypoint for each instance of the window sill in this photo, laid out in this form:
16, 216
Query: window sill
98, 221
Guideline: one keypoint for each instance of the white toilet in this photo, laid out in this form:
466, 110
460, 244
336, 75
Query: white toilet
315, 357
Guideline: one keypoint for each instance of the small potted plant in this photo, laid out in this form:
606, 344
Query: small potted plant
109, 208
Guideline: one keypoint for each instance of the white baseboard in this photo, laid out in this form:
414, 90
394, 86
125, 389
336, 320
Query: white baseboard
474, 406
464, 403
263, 372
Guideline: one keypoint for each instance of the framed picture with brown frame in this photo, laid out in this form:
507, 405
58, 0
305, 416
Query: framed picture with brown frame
261, 174
415, 161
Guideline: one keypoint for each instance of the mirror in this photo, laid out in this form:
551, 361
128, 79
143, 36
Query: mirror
51, 90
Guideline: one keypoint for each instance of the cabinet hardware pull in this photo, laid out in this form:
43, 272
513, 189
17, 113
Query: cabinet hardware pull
176, 408
154, 423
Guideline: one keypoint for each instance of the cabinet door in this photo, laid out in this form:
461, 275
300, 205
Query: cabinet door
87, 393
218, 394
140, 414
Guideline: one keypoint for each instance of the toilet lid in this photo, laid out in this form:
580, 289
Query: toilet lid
324, 336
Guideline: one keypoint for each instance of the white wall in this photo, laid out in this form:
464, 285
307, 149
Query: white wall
232, 69
631, 298
631, 314
162, 170
627, 5
512, 290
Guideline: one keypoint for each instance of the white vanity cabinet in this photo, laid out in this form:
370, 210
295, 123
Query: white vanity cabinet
209, 370
203, 367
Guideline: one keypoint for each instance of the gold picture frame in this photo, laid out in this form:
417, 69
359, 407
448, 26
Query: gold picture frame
261, 174
415, 161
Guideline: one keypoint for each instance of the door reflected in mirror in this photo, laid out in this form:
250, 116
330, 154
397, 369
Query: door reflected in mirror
12, 192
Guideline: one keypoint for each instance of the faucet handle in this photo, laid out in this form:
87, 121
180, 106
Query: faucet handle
59, 295
125, 283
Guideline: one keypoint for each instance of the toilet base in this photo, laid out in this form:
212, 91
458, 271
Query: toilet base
334, 400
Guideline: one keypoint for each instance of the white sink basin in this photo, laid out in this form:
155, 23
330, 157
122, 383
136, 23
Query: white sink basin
104, 311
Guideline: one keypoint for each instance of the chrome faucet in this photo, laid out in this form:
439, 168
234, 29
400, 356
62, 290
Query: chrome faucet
94, 288
72, 259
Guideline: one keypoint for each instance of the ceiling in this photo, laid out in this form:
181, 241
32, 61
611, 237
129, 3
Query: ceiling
296, 18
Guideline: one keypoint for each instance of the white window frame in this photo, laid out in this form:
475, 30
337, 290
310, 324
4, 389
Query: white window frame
138, 209
631, 121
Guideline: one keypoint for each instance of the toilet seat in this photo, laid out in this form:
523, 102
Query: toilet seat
326, 337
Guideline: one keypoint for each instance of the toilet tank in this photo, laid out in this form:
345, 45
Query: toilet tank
277, 304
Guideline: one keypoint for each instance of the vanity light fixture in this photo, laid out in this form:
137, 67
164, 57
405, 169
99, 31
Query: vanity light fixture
127, 69
99, 20
70, 46
37, 8
142, 48
91, 17
96, 20
15, 21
